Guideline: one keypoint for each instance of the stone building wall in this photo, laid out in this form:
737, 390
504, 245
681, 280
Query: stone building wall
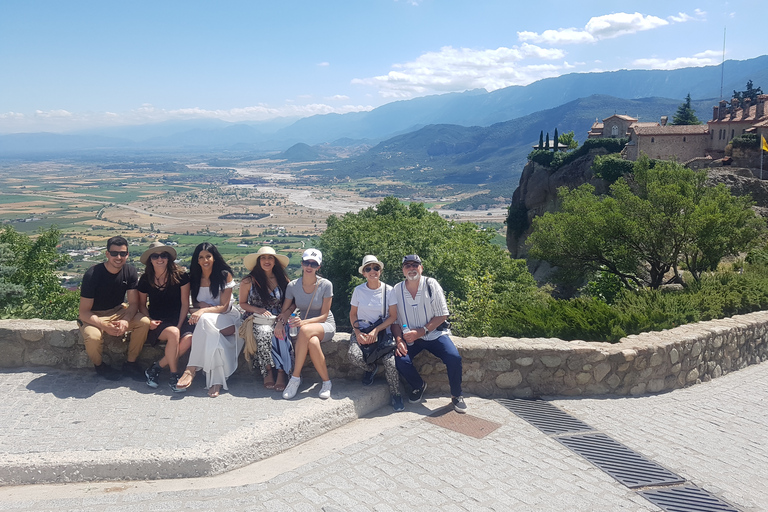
493, 367
663, 147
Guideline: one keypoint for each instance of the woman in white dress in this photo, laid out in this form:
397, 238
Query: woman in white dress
215, 342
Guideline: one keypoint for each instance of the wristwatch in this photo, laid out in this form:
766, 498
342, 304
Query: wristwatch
426, 330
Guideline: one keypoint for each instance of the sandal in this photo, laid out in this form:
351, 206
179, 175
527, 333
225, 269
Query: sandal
281, 381
269, 379
186, 379
214, 390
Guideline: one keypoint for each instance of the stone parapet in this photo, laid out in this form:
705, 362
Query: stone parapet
651, 362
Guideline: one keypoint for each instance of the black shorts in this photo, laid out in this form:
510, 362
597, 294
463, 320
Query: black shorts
154, 334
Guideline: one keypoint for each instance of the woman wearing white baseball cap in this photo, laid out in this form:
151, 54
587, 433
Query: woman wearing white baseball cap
312, 295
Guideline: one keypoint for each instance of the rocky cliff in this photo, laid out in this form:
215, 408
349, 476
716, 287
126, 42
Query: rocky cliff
537, 194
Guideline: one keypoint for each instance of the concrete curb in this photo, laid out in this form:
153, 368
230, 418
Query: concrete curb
309, 418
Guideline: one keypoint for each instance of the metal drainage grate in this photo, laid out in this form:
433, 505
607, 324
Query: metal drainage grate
545, 416
625, 465
686, 498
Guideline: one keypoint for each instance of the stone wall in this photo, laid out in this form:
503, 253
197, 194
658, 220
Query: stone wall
493, 367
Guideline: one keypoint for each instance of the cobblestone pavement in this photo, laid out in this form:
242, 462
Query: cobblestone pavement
714, 434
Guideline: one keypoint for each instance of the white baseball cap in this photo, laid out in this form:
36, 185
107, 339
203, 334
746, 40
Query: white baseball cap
313, 254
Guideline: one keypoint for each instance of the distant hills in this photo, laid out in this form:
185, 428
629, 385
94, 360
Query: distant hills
451, 154
550, 103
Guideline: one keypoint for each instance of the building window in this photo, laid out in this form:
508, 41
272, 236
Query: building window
614, 131
732, 133
652, 139
683, 139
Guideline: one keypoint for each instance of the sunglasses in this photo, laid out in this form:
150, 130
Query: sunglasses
410, 264
156, 255
310, 263
115, 254
375, 268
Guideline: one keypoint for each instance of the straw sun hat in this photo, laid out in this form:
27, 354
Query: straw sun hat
250, 261
157, 247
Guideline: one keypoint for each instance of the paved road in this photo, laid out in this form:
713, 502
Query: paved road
714, 434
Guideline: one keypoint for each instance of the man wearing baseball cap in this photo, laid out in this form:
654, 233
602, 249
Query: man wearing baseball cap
421, 325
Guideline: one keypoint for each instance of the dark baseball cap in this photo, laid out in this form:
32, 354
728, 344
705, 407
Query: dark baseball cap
411, 257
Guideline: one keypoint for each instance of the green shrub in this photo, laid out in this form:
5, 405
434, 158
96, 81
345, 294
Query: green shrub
611, 167
746, 141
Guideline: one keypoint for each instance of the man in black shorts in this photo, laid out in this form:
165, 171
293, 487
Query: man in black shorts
102, 310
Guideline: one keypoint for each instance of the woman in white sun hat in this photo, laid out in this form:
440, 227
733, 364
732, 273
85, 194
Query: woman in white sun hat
262, 293
370, 302
312, 295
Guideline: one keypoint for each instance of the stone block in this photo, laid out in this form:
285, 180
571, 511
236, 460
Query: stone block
583, 378
42, 357
601, 371
473, 375
674, 356
696, 349
613, 381
524, 361
61, 339
692, 376
656, 359
11, 353
655, 385
31, 334
638, 389
509, 380
499, 365
551, 361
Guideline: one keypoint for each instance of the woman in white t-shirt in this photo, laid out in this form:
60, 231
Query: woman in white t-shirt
371, 301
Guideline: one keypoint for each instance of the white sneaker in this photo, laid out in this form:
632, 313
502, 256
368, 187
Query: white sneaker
292, 388
325, 390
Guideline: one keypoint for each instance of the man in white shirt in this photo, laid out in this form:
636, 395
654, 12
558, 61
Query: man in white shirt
421, 315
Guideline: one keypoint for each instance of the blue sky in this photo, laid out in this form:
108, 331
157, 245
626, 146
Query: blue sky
71, 65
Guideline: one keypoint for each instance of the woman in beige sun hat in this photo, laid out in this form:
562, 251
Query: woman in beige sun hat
167, 288
261, 296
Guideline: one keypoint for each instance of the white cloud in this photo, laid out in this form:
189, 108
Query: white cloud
597, 28
705, 58
338, 97
323, 64
62, 120
458, 69
698, 15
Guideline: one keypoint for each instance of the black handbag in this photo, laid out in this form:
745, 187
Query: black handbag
385, 342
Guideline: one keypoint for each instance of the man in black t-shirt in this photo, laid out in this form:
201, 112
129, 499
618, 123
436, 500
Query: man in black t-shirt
102, 310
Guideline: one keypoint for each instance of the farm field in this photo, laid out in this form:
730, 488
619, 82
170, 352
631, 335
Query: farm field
273, 204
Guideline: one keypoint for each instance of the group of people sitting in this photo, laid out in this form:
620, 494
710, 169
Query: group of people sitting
278, 324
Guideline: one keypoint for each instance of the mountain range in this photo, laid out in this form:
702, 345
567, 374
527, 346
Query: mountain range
477, 132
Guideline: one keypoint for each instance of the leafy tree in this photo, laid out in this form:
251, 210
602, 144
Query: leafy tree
685, 113
749, 92
569, 139
34, 263
611, 167
645, 226
459, 255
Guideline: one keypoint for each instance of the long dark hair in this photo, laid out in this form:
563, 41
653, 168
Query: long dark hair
172, 276
218, 273
259, 277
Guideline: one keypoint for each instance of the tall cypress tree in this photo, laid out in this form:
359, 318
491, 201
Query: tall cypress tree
556, 141
541, 140
685, 113
547, 146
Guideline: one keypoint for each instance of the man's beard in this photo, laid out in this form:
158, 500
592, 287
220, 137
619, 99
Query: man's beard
413, 277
